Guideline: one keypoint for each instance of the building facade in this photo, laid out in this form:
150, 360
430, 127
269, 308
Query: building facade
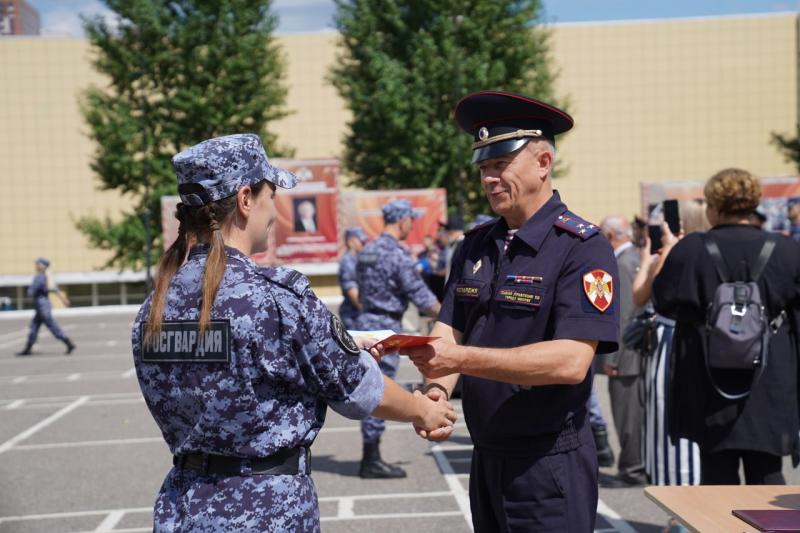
18, 17
653, 100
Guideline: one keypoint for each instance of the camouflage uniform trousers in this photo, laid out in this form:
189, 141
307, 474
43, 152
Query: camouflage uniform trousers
191, 501
44, 316
372, 428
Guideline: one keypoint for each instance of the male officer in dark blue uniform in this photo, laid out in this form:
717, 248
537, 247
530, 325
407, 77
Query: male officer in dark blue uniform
529, 301
40, 290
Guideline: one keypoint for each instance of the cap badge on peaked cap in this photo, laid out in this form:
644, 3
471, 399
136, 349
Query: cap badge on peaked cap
502, 122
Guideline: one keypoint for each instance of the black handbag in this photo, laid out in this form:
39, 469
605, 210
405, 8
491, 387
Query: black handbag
640, 334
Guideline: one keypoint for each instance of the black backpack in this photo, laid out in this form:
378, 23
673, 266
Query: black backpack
737, 328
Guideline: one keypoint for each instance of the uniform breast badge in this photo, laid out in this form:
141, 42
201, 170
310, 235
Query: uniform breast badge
476, 267
599, 288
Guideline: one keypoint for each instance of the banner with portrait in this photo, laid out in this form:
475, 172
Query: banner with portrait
306, 226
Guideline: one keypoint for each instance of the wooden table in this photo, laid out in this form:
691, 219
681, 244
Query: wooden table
708, 508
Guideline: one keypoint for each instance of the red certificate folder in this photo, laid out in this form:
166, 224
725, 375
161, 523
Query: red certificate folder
771, 519
398, 341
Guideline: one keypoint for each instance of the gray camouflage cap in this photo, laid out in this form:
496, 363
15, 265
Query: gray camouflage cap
217, 168
397, 209
355, 232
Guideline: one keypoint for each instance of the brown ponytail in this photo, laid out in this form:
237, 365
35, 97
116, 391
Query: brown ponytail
167, 266
203, 223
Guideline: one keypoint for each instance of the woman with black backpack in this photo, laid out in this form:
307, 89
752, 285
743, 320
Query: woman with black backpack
738, 409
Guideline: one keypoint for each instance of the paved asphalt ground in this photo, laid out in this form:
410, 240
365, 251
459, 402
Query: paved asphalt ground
80, 452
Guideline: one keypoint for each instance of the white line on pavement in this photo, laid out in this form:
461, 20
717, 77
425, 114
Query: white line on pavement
110, 521
450, 477
59, 378
390, 515
72, 514
15, 404
95, 398
21, 337
79, 444
388, 496
613, 518
7, 445
129, 373
345, 509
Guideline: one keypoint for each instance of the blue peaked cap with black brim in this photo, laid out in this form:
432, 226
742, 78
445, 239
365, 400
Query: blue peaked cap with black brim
502, 122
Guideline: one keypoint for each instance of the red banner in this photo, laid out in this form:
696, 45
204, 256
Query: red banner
363, 208
312, 216
306, 228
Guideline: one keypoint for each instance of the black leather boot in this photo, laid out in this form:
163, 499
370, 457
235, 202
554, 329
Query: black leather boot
70, 346
373, 467
605, 455
26, 350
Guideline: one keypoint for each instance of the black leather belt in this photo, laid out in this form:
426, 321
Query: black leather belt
393, 316
285, 462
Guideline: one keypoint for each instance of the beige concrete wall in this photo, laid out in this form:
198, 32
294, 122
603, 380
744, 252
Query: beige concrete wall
317, 125
44, 156
672, 100
653, 101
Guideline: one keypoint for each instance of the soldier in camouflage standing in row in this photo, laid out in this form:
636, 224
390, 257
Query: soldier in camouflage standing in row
387, 281
354, 239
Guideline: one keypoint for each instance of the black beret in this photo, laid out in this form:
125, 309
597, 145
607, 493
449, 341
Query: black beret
502, 122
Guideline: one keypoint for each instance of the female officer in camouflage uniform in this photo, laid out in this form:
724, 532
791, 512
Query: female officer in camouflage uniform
237, 363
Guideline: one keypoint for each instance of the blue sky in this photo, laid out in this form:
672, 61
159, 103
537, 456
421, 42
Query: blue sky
61, 17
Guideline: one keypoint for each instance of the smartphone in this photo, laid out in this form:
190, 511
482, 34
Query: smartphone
654, 232
639, 227
672, 216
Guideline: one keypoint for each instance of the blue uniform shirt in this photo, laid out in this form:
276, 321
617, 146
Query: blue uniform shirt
39, 290
387, 279
543, 288
285, 365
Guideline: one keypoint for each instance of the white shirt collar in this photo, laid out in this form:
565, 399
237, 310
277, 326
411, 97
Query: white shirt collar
621, 248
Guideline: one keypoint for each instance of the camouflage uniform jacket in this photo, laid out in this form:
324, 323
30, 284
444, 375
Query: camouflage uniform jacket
285, 365
387, 279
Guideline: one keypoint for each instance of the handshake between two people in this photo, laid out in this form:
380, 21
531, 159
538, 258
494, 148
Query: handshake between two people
436, 359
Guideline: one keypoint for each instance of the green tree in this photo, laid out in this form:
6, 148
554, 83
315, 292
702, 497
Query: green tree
789, 147
178, 72
404, 66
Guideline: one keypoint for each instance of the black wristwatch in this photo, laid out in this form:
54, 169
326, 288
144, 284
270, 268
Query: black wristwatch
430, 386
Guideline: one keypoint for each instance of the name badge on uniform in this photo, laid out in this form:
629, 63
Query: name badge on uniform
468, 290
520, 295
182, 342
367, 258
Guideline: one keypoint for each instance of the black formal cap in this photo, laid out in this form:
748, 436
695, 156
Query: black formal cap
502, 122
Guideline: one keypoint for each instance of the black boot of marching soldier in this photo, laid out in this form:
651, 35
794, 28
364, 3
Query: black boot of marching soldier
70, 346
373, 467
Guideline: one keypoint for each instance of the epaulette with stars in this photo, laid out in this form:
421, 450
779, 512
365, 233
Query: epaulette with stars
576, 225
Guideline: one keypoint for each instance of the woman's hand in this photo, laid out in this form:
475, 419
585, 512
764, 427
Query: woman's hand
435, 417
668, 239
442, 433
366, 343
